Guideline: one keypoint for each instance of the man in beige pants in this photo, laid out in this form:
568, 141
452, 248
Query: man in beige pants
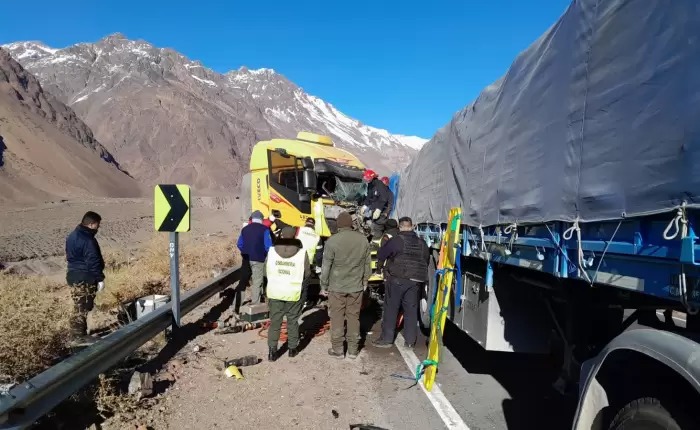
344, 276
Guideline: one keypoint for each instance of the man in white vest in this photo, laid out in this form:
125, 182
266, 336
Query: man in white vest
288, 270
309, 238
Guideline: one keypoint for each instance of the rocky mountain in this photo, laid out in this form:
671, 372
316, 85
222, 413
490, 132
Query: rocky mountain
46, 151
167, 118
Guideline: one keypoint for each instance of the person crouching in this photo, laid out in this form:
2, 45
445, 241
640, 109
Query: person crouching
288, 270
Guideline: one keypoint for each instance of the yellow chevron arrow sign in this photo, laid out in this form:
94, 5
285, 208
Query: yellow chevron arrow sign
172, 207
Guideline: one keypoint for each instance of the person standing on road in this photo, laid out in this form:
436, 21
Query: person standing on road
254, 243
309, 238
85, 274
288, 270
344, 275
378, 203
406, 257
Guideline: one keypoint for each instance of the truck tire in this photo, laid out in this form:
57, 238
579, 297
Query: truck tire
648, 413
425, 299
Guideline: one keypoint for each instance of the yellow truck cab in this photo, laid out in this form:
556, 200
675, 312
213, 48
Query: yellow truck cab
295, 179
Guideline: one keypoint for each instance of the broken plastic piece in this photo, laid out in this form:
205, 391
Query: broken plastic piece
232, 371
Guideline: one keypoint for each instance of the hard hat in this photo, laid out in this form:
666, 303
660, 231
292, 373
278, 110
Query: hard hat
369, 175
385, 179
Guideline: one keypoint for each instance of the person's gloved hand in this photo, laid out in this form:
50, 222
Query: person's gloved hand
272, 218
376, 214
100, 286
363, 210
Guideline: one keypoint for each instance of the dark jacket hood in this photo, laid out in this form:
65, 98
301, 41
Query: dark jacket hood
287, 248
85, 229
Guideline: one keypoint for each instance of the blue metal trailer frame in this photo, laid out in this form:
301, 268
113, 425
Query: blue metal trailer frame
654, 255
590, 273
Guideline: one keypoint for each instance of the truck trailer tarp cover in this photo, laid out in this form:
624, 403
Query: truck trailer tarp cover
599, 119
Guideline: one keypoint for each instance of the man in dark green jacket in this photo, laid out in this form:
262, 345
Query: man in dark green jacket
344, 276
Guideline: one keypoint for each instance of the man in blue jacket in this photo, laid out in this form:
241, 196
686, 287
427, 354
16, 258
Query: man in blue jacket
254, 243
85, 273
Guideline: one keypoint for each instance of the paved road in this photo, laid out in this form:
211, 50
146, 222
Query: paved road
488, 390
503, 390
499, 390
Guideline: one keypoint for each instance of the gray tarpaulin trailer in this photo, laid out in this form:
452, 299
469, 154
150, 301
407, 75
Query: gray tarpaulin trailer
577, 177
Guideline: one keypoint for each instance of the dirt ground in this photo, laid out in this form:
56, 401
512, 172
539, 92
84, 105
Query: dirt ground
32, 239
310, 391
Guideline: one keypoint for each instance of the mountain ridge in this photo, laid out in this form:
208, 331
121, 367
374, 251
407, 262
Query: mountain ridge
46, 151
142, 101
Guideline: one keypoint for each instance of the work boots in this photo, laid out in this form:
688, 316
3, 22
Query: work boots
272, 354
293, 352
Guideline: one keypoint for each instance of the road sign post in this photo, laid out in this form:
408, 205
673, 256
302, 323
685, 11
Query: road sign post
172, 214
175, 277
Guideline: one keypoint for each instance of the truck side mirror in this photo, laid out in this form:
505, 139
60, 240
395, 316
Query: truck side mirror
309, 178
307, 163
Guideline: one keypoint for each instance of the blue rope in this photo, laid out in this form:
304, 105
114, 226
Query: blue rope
438, 273
458, 274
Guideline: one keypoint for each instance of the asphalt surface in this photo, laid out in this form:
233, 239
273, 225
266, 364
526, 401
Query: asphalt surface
402, 401
492, 390
488, 390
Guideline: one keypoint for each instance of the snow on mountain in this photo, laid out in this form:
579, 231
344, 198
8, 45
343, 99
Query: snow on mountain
168, 118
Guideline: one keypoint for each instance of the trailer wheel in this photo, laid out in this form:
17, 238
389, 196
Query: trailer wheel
425, 301
648, 413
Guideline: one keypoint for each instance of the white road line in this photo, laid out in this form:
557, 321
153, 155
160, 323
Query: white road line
443, 406
661, 314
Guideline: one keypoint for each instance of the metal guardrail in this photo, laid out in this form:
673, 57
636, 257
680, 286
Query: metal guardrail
27, 402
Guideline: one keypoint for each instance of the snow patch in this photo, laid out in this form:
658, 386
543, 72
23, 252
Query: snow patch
140, 52
60, 59
262, 71
205, 81
80, 99
278, 114
29, 49
414, 142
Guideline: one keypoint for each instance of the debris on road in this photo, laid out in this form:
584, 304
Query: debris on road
141, 385
248, 360
239, 327
366, 427
232, 371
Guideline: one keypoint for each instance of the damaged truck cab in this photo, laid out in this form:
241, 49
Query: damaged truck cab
306, 177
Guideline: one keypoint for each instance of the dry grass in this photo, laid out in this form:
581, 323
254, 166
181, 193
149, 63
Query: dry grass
34, 325
110, 401
35, 313
129, 277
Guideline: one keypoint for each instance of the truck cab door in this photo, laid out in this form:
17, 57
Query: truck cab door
287, 191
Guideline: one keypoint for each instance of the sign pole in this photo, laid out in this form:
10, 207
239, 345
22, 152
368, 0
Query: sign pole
175, 278
171, 206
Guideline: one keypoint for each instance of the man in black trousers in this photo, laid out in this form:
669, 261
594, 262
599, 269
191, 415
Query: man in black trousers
406, 257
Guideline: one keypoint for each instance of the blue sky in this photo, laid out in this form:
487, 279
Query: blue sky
406, 67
